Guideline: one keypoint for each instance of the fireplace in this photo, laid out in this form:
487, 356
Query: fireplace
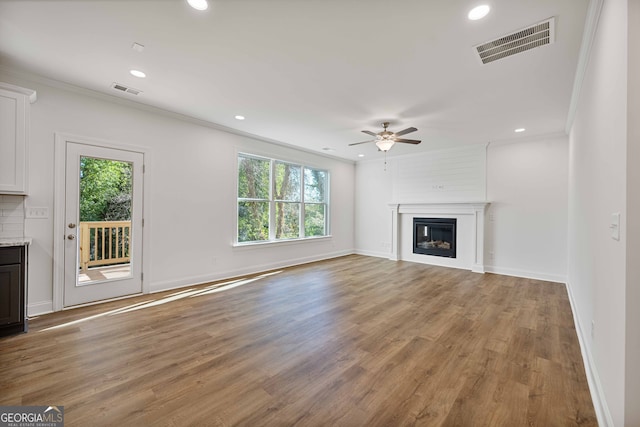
434, 236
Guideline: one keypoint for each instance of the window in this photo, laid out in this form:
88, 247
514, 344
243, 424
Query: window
315, 206
254, 176
278, 200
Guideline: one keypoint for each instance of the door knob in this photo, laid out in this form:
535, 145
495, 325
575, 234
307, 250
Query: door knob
71, 225
71, 237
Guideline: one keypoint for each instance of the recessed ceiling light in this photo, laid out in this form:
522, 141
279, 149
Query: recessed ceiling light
519, 130
478, 12
198, 4
360, 155
238, 117
138, 73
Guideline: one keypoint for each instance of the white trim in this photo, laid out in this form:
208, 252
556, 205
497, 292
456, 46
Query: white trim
254, 269
589, 34
59, 155
374, 254
39, 308
530, 138
272, 201
536, 275
61, 140
595, 386
283, 242
29, 93
476, 209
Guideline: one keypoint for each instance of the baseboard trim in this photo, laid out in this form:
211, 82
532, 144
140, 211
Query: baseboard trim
168, 285
39, 308
593, 379
375, 254
525, 274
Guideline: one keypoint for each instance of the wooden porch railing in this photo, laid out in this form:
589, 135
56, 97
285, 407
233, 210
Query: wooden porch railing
104, 243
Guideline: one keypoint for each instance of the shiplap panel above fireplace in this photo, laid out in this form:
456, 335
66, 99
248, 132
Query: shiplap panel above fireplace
454, 175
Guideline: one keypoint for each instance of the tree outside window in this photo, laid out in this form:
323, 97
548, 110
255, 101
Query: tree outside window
315, 183
253, 199
287, 197
279, 200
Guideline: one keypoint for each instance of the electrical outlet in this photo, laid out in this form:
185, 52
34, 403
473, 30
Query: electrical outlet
491, 255
37, 213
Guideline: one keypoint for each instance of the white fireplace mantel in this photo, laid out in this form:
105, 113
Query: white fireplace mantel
476, 209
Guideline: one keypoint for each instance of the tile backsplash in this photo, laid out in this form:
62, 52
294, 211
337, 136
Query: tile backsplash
11, 216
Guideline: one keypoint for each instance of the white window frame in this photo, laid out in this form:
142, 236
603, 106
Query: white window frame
272, 202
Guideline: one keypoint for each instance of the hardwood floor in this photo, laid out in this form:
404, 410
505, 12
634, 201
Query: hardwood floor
354, 341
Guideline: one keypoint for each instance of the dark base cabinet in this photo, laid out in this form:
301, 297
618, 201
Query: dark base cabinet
13, 316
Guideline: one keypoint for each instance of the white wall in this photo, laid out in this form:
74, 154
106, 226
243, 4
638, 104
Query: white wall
373, 216
191, 215
526, 233
526, 183
452, 175
597, 188
632, 343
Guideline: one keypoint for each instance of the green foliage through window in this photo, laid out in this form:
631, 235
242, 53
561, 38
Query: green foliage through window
279, 200
105, 190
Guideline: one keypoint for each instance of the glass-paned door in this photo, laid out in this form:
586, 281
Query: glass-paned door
103, 227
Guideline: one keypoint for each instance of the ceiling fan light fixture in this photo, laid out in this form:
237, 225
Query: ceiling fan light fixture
385, 144
386, 139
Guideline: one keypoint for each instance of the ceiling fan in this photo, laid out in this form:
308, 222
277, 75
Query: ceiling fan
386, 139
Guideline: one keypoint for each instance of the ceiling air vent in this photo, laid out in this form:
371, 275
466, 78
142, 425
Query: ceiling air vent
537, 35
123, 88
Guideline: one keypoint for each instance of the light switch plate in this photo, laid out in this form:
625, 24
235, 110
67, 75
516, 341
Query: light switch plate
615, 226
37, 213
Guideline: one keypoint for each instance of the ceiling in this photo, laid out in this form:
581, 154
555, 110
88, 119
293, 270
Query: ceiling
311, 73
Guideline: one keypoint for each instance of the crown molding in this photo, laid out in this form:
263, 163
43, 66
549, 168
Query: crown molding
588, 36
529, 138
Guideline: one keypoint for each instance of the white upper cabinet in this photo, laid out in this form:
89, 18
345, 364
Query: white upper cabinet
14, 137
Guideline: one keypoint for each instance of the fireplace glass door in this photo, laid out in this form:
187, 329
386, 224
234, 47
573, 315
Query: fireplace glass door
434, 236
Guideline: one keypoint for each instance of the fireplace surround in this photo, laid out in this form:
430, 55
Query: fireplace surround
469, 235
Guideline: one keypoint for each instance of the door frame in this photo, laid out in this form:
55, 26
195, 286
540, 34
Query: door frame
59, 230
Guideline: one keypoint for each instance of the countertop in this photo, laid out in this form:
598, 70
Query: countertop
15, 241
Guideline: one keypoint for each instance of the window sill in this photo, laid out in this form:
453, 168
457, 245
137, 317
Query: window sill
254, 245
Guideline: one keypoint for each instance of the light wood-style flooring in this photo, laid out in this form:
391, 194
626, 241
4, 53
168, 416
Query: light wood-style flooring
353, 341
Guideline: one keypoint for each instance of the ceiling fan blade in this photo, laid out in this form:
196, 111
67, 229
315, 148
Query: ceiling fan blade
407, 141
368, 132
406, 131
363, 142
